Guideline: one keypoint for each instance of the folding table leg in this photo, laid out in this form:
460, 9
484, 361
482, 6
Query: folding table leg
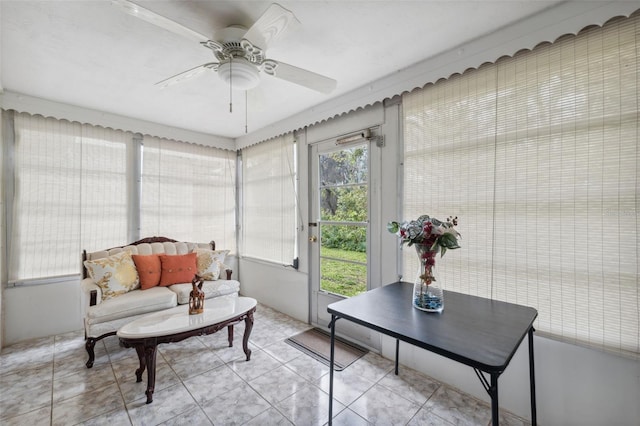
493, 393
492, 389
331, 361
532, 379
397, 354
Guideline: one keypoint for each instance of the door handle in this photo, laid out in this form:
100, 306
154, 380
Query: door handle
313, 238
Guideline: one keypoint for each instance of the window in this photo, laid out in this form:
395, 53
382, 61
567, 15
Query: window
537, 154
70, 193
269, 200
188, 192
74, 188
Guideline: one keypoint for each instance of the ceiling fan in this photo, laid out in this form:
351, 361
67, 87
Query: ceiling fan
240, 52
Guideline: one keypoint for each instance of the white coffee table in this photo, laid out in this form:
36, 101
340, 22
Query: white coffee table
174, 325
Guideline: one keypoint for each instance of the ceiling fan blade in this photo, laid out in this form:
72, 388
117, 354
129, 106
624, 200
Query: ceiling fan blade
304, 78
158, 20
185, 75
270, 26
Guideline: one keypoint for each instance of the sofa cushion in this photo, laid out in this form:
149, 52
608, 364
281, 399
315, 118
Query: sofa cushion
177, 268
210, 288
149, 269
210, 263
115, 275
132, 303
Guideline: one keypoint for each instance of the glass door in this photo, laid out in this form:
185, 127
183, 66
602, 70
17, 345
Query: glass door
340, 224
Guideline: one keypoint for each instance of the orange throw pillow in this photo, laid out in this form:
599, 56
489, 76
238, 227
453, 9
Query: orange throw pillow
178, 268
149, 270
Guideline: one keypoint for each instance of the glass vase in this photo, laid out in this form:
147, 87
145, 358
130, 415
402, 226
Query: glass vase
427, 294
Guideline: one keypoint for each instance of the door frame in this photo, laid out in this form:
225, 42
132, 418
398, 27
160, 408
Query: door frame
316, 296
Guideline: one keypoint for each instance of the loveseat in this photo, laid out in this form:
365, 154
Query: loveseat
124, 283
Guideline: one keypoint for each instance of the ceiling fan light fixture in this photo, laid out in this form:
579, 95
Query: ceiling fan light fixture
240, 74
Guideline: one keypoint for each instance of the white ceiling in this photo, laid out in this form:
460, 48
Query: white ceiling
90, 54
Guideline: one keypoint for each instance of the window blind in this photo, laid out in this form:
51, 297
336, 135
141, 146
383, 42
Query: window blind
188, 192
269, 200
70, 193
105, 185
537, 154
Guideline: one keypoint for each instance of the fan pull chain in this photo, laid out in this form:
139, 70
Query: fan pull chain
231, 85
246, 112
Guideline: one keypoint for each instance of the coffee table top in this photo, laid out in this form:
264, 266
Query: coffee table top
177, 320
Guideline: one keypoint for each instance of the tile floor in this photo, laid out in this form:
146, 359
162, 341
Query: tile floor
201, 381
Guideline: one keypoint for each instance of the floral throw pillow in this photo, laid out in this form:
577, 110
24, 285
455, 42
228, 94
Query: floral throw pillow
115, 275
210, 263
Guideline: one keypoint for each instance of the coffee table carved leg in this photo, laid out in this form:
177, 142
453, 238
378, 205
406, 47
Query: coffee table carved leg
248, 325
230, 335
150, 360
142, 361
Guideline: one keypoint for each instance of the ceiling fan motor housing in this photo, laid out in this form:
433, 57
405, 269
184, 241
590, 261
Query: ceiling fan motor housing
239, 73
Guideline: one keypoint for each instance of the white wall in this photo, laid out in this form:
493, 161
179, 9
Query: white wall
574, 385
41, 310
280, 288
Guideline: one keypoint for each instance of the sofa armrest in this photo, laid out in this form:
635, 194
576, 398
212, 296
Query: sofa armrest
225, 271
92, 294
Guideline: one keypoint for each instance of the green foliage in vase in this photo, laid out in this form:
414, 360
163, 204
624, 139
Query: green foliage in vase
439, 236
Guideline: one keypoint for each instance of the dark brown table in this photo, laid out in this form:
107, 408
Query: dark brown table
481, 333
